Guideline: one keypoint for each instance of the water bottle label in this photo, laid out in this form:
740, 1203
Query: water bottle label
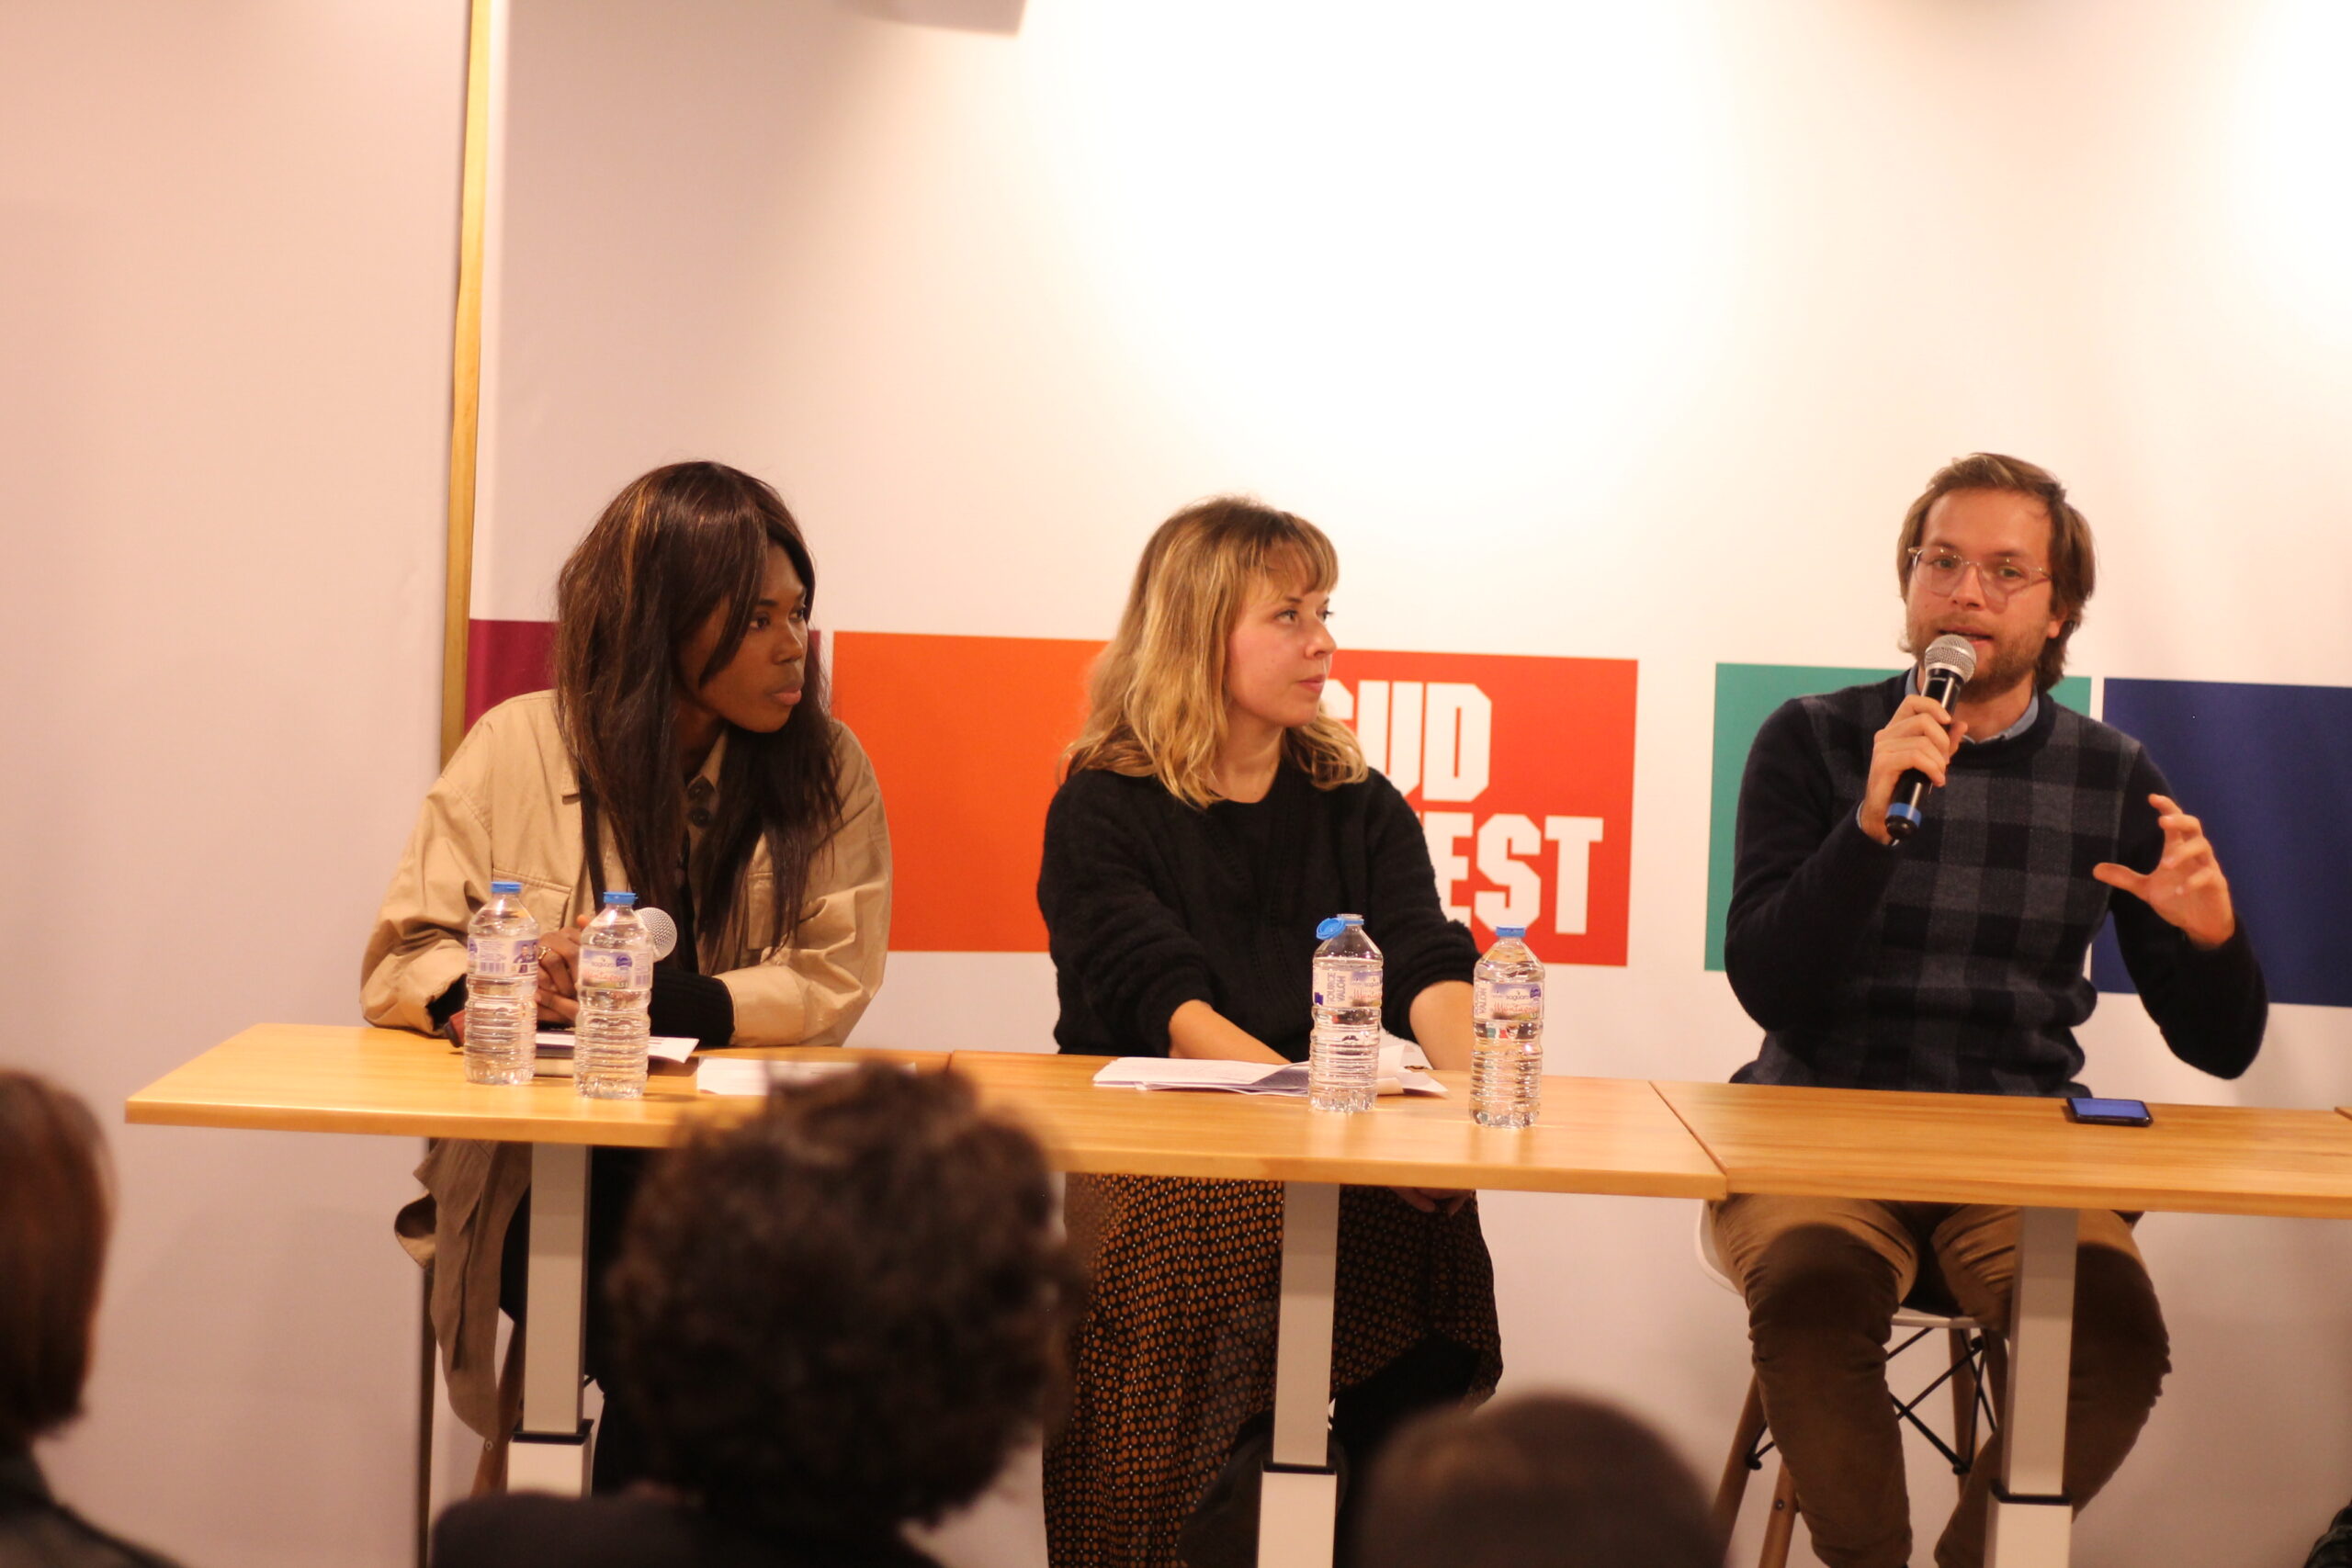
1350, 987
502, 957
612, 969
1513, 999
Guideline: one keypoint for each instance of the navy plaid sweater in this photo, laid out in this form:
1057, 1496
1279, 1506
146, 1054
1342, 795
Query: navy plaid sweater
1954, 962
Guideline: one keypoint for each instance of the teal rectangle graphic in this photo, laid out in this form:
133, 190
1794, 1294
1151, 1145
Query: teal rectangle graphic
1746, 695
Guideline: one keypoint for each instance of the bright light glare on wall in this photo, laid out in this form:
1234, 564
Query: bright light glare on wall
2295, 152
1422, 235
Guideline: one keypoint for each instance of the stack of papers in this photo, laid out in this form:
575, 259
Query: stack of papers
1403, 1071
555, 1053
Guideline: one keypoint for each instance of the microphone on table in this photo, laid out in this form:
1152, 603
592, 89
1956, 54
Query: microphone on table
661, 931
1945, 668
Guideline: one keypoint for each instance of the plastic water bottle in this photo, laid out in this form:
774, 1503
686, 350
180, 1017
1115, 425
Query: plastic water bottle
1507, 1033
1343, 1058
501, 990
615, 985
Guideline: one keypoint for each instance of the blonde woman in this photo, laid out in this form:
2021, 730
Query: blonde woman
1211, 816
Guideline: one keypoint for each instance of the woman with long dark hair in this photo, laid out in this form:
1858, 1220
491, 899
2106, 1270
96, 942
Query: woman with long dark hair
685, 755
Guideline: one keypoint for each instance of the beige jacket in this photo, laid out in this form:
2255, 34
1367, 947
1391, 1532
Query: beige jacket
508, 807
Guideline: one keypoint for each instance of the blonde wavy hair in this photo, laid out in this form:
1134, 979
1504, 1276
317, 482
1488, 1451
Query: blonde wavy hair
1157, 702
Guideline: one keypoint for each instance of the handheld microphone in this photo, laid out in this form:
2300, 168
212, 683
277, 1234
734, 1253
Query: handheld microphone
661, 929
1945, 668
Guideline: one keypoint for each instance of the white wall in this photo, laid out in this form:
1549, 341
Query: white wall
227, 237
1605, 329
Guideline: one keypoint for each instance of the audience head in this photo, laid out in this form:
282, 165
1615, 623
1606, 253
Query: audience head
1224, 614
54, 1216
685, 611
2045, 616
840, 1315
1535, 1482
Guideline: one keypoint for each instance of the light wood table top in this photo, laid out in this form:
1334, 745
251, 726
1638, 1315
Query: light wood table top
1956, 1148
315, 1078
1601, 1135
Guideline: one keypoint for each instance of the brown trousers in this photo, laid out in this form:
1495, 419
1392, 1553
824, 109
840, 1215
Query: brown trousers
1822, 1277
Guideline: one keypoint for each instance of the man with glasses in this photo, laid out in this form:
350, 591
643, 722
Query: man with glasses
1954, 961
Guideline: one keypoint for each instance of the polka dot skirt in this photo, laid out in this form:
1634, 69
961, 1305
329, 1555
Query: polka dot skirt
1177, 1349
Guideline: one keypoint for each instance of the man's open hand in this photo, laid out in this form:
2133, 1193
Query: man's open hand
2186, 887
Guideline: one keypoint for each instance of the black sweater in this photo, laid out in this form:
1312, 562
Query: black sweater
1955, 961
1151, 903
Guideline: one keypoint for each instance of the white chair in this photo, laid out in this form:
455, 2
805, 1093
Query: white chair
1968, 1342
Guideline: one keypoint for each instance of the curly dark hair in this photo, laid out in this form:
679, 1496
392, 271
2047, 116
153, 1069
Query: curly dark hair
842, 1314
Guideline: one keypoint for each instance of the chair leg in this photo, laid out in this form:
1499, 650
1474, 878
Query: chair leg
1780, 1528
427, 1393
1740, 1463
1963, 1406
1994, 1377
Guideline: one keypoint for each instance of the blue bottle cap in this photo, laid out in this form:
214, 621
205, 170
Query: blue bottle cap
1511, 933
1329, 928
617, 897
508, 889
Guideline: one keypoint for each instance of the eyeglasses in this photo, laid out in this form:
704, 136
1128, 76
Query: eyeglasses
1999, 580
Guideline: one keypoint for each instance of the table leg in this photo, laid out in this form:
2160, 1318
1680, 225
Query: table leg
2032, 1523
1299, 1506
550, 1452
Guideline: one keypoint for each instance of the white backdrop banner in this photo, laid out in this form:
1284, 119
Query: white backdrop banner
1608, 344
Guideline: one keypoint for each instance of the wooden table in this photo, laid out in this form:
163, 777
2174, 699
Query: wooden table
1945, 1148
306, 1078
1597, 1135
1603, 1136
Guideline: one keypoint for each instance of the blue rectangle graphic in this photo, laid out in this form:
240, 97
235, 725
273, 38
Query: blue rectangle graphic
2269, 771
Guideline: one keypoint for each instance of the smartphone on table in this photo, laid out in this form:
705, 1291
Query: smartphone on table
2108, 1112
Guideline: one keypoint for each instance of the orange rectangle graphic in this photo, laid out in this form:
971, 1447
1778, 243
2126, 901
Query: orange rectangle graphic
1520, 768
967, 735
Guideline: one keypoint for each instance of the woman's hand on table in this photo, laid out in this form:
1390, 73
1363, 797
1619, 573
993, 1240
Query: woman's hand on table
558, 973
1197, 1031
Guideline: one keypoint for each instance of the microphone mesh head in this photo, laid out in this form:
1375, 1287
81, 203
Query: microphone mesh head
1950, 651
662, 929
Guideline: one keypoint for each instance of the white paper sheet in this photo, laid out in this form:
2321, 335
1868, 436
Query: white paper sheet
659, 1048
1402, 1071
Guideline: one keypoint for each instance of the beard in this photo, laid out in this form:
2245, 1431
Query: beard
2009, 661
2001, 672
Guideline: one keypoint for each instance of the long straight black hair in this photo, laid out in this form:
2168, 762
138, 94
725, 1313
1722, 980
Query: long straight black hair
674, 546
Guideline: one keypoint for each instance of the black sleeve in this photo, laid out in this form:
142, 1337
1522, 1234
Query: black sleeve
1105, 925
685, 1003
1806, 879
2210, 1004
447, 1005
1418, 946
